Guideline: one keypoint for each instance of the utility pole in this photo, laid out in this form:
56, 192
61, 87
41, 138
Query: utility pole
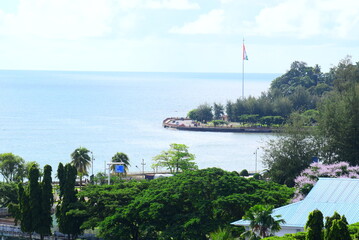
143, 166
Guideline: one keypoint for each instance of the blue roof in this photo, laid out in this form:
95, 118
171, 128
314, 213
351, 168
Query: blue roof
328, 195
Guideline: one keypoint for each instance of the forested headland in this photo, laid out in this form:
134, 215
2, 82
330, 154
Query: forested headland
302, 89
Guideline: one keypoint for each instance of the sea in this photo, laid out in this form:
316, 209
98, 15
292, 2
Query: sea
46, 115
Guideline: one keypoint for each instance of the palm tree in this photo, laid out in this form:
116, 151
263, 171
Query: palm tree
121, 157
81, 161
262, 223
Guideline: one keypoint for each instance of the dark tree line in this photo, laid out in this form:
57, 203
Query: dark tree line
35, 200
299, 89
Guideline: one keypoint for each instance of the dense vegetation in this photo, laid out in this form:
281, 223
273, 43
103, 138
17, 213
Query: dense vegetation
189, 205
335, 228
333, 139
300, 89
319, 112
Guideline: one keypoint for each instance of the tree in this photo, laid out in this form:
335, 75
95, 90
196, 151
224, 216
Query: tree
24, 210
262, 223
289, 154
244, 173
68, 218
189, 205
11, 167
176, 159
121, 157
34, 191
314, 226
336, 228
338, 231
103, 200
218, 110
46, 203
81, 161
339, 126
202, 113
30, 210
8, 194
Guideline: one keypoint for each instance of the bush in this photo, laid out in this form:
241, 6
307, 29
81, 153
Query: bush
257, 176
244, 173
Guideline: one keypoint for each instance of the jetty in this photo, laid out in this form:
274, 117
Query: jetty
186, 124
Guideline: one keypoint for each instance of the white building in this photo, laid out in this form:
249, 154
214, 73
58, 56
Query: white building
328, 195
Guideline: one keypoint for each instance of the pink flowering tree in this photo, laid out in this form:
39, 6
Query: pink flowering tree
308, 177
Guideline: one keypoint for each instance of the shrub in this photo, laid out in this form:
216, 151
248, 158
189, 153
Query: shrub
244, 173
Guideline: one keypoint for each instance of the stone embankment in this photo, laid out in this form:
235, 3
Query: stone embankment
186, 124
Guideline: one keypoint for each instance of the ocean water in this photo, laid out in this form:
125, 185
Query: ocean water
45, 115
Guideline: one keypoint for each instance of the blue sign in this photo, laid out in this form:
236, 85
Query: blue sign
119, 168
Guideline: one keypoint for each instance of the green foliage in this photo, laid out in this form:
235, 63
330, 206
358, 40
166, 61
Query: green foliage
244, 173
219, 122
329, 220
314, 225
288, 155
81, 161
35, 202
12, 167
34, 191
189, 205
8, 194
248, 118
218, 110
24, 212
221, 234
47, 200
176, 159
262, 223
336, 228
68, 211
272, 120
202, 113
293, 236
338, 231
103, 200
339, 126
257, 176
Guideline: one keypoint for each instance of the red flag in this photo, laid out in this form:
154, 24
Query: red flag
245, 56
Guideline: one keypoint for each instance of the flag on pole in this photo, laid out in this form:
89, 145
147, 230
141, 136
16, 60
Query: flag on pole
245, 56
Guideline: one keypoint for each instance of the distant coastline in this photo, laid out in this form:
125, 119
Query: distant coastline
186, 124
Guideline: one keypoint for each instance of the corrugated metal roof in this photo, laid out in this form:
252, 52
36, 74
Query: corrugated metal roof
328, 195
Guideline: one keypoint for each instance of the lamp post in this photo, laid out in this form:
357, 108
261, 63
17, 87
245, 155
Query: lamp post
92, 159
143, 166
256, 153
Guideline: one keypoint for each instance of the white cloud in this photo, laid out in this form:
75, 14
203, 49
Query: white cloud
210, 23
67, 19
157, 4
75, 19
308, 18
172, 4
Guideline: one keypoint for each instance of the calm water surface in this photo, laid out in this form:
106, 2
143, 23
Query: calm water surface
45, 115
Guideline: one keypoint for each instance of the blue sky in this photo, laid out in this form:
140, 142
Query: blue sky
176, 35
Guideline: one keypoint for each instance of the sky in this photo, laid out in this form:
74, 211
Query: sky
176, 35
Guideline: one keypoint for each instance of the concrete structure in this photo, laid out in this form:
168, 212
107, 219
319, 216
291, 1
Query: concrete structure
328, 195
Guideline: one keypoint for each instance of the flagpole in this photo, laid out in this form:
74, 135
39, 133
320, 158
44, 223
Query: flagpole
243, 69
